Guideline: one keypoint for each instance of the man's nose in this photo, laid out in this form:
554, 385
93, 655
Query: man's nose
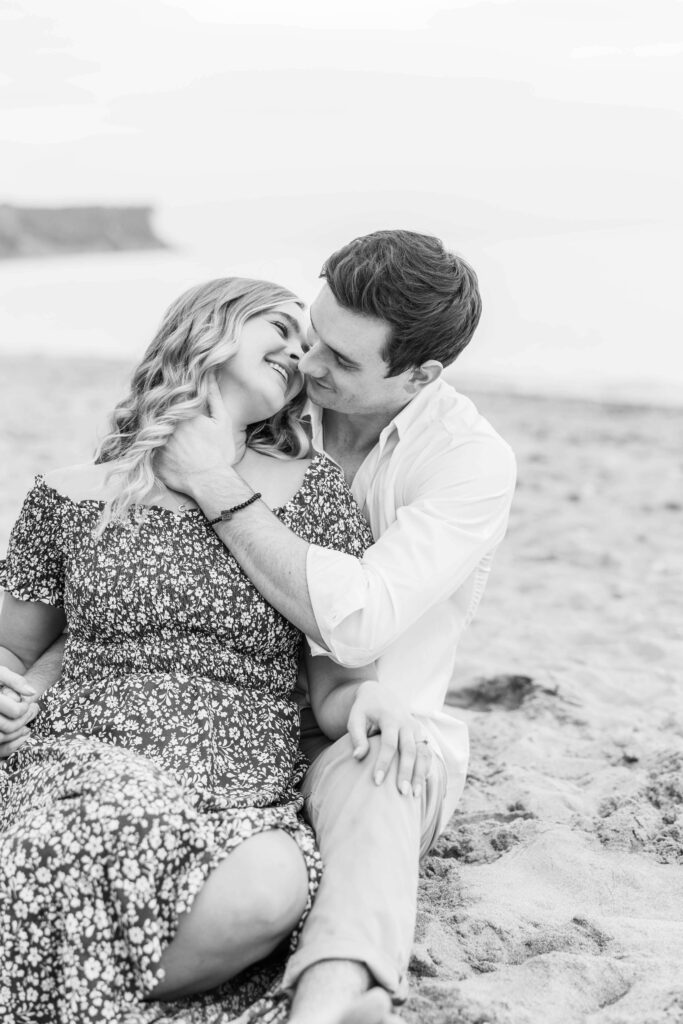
310, 363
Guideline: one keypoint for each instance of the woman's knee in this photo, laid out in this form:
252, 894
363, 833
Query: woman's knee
261, 889
250, 902
280, 881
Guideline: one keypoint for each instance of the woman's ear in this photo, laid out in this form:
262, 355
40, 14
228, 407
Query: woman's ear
425, 374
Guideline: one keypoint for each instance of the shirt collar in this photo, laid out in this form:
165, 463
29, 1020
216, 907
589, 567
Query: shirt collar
313, 415
419, 408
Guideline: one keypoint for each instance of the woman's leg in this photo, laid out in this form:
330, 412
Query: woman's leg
248, 904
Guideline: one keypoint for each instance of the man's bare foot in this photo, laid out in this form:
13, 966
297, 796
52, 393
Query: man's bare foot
373, 1007
340, 992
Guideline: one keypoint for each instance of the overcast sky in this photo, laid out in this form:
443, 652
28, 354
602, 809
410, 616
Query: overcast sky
559, 108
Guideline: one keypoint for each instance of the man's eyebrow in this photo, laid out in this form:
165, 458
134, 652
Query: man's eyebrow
334, 351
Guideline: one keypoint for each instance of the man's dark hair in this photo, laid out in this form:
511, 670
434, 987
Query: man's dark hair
427, 295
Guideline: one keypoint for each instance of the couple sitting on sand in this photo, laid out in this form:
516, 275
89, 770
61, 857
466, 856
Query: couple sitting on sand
263, 578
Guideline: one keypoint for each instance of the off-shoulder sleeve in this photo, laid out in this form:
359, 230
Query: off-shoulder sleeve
326, 513
34, 567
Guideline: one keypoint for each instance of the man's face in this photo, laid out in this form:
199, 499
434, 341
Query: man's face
344, 368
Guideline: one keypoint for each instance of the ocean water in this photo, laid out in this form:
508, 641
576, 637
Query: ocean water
588, 313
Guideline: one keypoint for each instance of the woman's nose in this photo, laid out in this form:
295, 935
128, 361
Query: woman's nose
294, 349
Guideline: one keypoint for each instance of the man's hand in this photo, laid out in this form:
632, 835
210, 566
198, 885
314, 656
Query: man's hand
199, 448
18, 707
377, 709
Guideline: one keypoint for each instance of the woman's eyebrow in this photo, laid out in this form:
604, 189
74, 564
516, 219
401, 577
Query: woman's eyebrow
292, 321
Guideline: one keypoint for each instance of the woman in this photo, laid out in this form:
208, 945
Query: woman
150, 833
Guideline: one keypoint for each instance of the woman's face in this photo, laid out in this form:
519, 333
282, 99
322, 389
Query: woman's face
263, 375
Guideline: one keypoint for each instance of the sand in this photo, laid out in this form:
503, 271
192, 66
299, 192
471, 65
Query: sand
556, 894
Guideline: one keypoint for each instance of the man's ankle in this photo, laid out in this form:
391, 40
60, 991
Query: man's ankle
328, 988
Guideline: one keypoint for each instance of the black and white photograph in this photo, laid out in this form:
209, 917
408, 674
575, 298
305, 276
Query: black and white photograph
341, 526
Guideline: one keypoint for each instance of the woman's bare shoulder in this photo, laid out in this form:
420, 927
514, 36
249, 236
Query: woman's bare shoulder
287, 469
276, 479
84, 480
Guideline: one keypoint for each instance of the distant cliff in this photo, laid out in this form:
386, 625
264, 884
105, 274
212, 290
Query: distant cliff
34, 231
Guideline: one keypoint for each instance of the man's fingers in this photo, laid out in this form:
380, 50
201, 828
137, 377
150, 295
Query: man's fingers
406, 758
387, 752
216, 403
423, 762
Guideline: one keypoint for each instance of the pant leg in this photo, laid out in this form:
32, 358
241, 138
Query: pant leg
370, 838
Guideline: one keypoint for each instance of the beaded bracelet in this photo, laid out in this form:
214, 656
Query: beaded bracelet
227, 513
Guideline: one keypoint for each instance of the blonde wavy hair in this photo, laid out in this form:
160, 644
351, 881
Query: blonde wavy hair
198, 334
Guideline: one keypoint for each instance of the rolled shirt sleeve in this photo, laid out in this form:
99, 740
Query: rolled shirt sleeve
454, 513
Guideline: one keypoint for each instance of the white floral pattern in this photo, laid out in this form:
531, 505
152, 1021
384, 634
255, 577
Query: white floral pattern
171, 737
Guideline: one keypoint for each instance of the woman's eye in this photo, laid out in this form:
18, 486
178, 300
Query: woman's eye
282, 328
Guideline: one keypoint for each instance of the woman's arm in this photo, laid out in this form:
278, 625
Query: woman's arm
352, 700
332, 690
27, 629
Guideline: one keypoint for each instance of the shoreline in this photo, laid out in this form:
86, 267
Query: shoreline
109, 304
468, 384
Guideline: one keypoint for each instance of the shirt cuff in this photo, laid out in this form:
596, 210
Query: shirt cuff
337, 588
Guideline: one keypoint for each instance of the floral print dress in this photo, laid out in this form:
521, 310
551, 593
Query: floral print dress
171, 737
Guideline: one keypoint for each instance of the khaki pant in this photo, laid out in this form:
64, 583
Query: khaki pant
371, 839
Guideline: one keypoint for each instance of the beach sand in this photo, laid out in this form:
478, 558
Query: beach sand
556, 894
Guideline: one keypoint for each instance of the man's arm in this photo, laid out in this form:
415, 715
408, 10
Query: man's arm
196, 461
455, 513
271, 555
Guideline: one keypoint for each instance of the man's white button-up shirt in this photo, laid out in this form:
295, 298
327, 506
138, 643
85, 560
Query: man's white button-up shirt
436, 490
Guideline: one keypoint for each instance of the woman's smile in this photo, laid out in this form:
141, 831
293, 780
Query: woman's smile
283, 371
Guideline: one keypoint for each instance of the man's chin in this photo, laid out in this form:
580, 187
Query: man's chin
319, 394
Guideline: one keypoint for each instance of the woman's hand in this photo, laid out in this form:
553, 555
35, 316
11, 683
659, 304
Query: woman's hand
377, 709
18, 707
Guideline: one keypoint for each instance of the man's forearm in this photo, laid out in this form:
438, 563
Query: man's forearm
268, 552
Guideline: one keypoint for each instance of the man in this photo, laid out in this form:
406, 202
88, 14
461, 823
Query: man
435, 482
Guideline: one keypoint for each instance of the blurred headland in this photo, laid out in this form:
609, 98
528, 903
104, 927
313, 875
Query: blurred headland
55, 231
585, 308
